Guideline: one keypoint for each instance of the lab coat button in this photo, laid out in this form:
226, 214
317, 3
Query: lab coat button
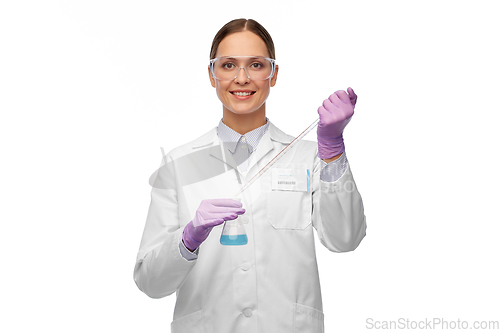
247, 312
243, 146
245, 266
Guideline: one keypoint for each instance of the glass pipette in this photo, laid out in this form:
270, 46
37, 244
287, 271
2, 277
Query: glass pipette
277, 157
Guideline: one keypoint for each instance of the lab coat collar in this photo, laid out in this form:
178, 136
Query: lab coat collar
265, 145
274, 133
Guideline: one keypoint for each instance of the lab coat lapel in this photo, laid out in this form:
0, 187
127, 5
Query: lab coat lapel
267, 144
263, 148
269, 140
215, 151
225, 157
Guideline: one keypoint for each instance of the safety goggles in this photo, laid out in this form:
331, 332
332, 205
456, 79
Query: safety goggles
228, 68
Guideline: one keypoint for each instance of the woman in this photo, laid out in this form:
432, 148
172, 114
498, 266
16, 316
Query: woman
270, 284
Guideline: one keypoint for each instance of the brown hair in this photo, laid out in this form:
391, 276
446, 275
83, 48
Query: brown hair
239, 25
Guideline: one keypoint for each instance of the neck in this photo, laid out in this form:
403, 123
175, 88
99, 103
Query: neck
244, 123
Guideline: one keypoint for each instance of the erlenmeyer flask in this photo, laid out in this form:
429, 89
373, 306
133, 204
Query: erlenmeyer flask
233, 232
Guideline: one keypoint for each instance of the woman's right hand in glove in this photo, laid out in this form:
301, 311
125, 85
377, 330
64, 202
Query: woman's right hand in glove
210, 213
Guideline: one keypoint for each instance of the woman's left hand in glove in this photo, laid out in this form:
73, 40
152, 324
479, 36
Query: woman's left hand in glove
334, 115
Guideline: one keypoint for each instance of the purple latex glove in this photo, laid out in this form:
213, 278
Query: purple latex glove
334, 115
210, 213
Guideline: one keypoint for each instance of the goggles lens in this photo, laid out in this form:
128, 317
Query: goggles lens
228, 68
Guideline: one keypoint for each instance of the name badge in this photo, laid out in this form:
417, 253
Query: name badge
290, 180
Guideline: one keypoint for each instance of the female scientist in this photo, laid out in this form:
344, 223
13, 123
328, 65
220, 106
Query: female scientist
271, 284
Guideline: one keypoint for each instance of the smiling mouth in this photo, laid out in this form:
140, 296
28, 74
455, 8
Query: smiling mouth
240, 93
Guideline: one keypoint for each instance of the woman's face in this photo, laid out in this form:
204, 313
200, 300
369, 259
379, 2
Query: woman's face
243, 43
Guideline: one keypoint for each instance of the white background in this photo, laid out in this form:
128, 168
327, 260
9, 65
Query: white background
91, 89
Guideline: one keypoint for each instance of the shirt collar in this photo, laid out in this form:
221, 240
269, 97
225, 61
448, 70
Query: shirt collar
231, 138
211, 138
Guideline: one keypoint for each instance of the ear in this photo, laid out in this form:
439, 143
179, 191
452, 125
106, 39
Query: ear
212, 80
275, 76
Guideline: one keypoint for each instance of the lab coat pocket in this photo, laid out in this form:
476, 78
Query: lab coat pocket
307, 319
192, 323
289, 209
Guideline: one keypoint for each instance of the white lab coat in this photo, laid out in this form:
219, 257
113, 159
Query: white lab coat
272, 283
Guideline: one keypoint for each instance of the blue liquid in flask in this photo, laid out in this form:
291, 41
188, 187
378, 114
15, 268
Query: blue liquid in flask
233, 239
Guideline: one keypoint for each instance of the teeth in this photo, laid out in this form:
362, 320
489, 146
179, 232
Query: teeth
242, 93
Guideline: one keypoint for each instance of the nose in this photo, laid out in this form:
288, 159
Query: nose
242, 76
